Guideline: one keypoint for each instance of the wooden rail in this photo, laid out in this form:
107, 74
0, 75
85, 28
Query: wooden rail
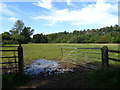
7, 50
114, 51
105, 57
8, 46
20, 58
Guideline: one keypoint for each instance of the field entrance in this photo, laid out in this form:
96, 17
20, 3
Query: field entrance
71, 54
94, 58
86, 57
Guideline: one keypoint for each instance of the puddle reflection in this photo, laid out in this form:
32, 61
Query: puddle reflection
44, 66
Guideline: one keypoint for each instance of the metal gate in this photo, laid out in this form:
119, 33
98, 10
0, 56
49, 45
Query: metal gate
93, 58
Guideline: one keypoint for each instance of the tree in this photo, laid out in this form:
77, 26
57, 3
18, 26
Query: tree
103, 39
6, 36
18, 27
39, 38
26, 33
52, 37
20, 33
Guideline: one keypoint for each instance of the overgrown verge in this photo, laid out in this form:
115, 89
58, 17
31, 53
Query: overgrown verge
103, 79
88, 79
13, 80
80, 78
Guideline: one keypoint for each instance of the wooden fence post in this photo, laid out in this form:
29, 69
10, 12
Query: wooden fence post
105, 61
61, 53
20, 60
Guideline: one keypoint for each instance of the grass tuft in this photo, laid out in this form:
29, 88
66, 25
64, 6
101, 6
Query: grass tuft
13, 80
103, 79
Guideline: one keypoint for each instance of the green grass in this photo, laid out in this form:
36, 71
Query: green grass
103, 79
94, 79
13, 80
53, 52
91, 79
40, 51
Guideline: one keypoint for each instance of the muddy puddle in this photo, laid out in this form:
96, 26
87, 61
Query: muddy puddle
45, 66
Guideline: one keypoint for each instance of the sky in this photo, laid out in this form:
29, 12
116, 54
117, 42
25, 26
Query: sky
50, 16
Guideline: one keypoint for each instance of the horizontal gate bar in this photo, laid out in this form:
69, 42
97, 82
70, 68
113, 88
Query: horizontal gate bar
8, 67
8, 46
88, 48
8, 62
8, 50
90, 52
88, 57
114, 59
70, 47
10, 57
114, 51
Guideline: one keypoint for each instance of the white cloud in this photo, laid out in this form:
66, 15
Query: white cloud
100, 13
69, 3
44, 4
2, 5
6, 10
13, 19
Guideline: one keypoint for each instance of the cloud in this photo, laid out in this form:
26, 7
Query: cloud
100, 13
13, 19
2, 5
44, 4
6, 10
69, 3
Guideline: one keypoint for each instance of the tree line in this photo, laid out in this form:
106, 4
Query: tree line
22, 34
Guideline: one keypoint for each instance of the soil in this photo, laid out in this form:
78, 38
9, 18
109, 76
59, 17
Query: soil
74, 79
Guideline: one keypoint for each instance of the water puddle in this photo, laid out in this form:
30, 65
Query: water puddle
44, 66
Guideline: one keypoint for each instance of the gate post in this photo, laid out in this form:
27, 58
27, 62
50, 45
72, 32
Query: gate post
61, 53
105, 61
20, 60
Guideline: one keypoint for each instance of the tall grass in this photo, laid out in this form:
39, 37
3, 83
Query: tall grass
103, 79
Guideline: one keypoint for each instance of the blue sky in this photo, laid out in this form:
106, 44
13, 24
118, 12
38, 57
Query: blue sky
45, 16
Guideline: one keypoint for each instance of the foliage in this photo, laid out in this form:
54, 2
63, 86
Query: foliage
26, 33
39, 38
103, 35
22, 34
18, 27
18, 34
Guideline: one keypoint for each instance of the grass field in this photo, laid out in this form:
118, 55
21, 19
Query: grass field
53, 52
93, 79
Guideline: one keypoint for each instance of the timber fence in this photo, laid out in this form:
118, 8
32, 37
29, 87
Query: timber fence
12, 60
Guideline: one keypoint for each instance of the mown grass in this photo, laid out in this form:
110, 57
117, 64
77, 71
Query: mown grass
53, 52
40, 51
